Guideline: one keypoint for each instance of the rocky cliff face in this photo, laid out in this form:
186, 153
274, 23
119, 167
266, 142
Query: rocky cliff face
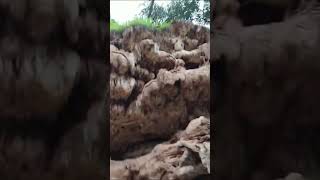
52, 89
159, 83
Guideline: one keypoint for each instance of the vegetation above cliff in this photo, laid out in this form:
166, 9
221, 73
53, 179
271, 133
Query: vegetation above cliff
118, 27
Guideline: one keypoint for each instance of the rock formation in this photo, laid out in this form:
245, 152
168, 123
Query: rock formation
52, 89
159, 82
266, 89
185, 156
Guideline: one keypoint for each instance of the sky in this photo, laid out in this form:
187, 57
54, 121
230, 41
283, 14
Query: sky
125, 10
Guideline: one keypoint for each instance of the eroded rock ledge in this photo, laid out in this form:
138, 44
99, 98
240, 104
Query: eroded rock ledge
185, 156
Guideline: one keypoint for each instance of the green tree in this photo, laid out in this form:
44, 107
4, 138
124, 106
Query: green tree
178, 10
183, 10
158, 14
151, 8
204, 15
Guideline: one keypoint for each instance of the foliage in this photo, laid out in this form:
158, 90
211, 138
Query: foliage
204, 15
158, 15
190, 10
148, 23
115, 26
183, 9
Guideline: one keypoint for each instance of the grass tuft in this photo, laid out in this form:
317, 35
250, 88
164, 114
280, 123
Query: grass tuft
148, 23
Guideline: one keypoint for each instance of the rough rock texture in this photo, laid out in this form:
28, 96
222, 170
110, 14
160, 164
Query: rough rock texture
184, 157
292, 176
156, 87
52, 89
266, 87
